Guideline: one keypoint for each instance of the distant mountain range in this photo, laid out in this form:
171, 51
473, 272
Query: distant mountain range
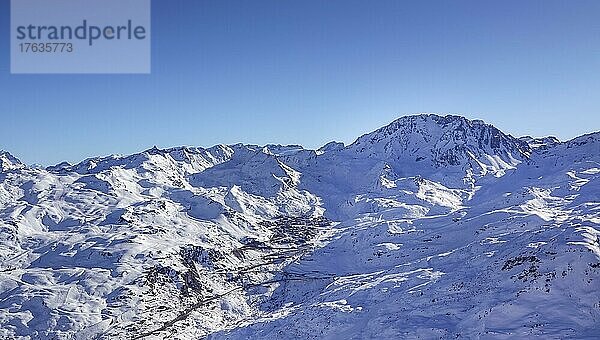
430, 227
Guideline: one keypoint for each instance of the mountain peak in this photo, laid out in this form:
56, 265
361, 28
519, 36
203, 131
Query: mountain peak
445, 141
541, 142
9, 162
430, 122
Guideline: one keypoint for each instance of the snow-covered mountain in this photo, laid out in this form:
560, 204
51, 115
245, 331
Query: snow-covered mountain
443, 142
430, 227
9, 162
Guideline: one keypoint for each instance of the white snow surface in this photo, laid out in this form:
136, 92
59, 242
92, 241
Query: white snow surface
431, 227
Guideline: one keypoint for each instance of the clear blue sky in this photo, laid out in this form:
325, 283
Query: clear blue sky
309, 72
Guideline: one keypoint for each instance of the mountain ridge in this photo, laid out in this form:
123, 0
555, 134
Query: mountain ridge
443, 118
487, 236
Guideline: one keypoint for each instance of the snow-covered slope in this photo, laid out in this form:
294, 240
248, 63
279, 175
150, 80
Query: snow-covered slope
430, 227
